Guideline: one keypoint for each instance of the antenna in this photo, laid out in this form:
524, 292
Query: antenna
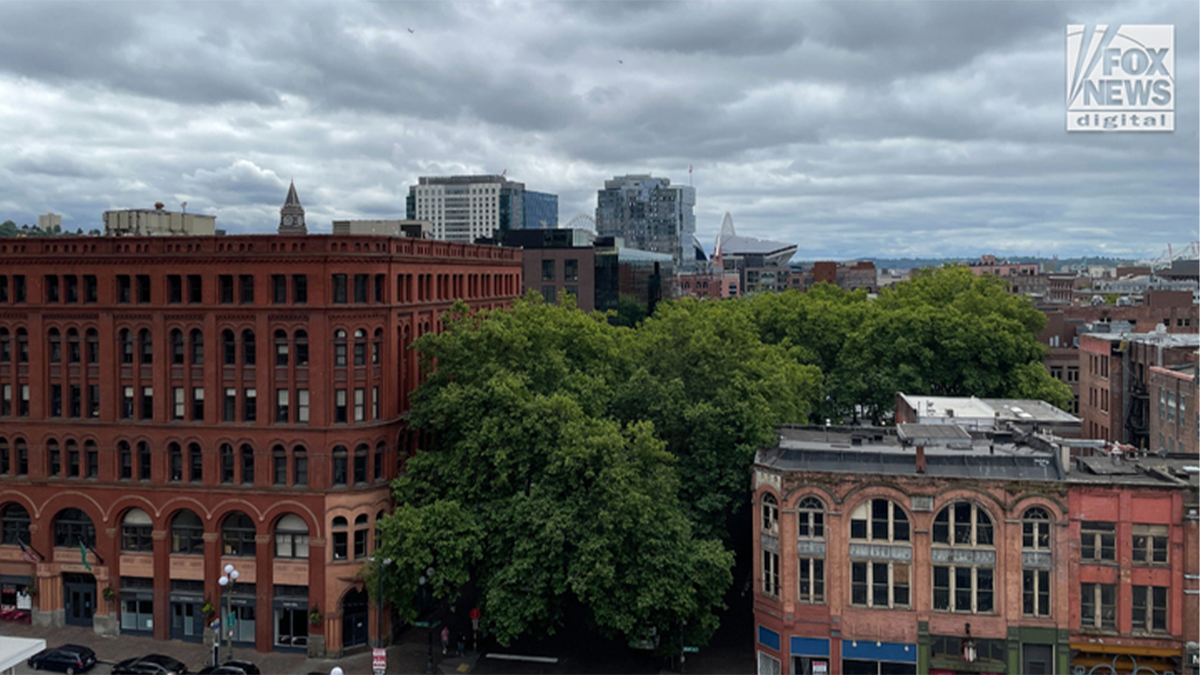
183, 206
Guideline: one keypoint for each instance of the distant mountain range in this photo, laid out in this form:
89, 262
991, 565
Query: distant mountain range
911, 263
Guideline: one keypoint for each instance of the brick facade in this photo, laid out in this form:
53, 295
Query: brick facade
180, 403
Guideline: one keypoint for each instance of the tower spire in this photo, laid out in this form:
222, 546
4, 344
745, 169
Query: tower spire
291, 216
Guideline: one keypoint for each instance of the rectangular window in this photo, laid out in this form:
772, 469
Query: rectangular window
360, 543
250, 405
71, 286
279, 289
92, 457
174, 289
379, 287
225, 286
871, 583
302, 406
281, 406
1036, 592
279, 461
74, 401
1098, 606
812, 580
339, 406
178, 404
147, 403
770, 574
143, 289
93, 400
548, 294
340, 546
3, 288
56, 400
375, 403
51, 288
72, 460
339, 289
1150, 544
247, 284
6, 400
195, 289
127, 403
1150, 608
360, 404
18, 288
197, 404
196, 462
360, 288
176, 465
547, 270
23, 403
299, 289
230, 405
90, 294
571, 270
301, 462
55, 461
1098, 541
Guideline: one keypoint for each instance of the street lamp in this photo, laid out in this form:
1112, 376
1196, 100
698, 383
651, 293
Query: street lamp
379, 595
424, 582
228, 579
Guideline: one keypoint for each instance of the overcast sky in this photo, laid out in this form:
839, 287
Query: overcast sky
851, 129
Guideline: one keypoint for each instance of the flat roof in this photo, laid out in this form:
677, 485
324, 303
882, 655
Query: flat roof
1003, 409
14, 651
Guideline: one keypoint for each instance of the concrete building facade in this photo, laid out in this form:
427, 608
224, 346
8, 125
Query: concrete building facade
466, 208
651, 215
170, 405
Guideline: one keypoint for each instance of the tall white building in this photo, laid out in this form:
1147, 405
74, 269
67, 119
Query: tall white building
466, 208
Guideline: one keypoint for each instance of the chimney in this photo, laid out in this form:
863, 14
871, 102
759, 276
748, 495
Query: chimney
920, 459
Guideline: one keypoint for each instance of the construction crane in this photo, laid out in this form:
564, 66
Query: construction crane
1164, 260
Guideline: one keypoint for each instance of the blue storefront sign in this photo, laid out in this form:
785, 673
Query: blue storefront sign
768, 638
871, 650
802, 646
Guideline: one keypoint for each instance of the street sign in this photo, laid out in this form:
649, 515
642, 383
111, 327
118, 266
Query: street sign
820, 667
427, 624
691, 650
232, 620
379, 661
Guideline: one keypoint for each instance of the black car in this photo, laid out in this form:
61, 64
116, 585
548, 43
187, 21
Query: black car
154, 664
231, 668
68, 659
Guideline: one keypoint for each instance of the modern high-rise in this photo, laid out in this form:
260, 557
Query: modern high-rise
466, 208
541, 210
650, 214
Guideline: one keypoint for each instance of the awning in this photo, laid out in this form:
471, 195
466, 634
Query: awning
14, 651
1125, 649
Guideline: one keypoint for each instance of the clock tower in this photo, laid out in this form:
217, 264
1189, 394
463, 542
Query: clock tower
291, 216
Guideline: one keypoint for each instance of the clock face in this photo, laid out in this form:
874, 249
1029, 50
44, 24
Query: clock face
287, 220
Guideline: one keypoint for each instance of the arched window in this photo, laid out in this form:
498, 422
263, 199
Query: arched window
125, 460
5, 346
361, 528
339, 347
247, 465
879, 520
377, 347
811, 515
963, 582
360, 463
770, 514
341, 546
126, 339
876, 582
14, 525
72, 526
22, 346
301, 348
92, 337
144, 459
72, 450
281, 348
197, 347
1035, 562
340, 465
377, 469
187, 533
55, 346
237, 535
73, 353
175, 463
300, 467
279, 462
195, 463
962, 524
177, 347
248, 348
228, 348
136, 530
291, 537
227, 468
360, 347
147, 346
378, 529
54, 457
1035, 530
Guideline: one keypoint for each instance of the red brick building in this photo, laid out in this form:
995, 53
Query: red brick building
170, 405
1174, 421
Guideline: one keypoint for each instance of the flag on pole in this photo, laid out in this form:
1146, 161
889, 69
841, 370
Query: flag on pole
83, 555
689, 168
26, 554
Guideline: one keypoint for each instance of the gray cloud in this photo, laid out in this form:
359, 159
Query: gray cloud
850, 128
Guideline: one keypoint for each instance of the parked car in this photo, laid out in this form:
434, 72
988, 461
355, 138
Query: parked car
68, 659
231, 668
153, 664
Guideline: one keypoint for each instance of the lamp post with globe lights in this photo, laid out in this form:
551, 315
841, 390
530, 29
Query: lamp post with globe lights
228, 580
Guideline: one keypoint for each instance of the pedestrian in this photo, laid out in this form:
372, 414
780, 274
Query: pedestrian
462, 644
445, 640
